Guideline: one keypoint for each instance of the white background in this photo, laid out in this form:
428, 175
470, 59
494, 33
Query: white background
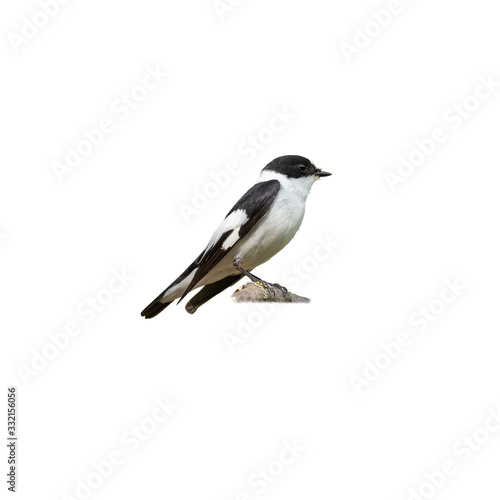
291, 378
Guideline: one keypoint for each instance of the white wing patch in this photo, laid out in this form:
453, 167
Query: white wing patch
232, 222
177, 290
231, 239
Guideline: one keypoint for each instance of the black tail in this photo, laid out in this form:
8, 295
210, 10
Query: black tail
156, 307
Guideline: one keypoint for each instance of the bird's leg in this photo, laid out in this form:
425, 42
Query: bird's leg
237, 265
258, 281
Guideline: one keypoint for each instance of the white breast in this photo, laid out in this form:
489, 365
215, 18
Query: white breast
272, 232
278, 227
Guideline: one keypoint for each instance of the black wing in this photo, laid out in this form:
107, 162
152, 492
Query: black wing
256, 202
208, 292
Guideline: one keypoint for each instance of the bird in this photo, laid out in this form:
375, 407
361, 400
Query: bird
262, 222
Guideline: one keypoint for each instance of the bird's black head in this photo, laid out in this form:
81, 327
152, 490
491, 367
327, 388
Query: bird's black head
294, 167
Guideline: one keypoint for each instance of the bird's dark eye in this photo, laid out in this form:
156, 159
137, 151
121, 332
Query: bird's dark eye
302, 168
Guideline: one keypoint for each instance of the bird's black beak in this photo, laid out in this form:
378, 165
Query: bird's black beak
322, 173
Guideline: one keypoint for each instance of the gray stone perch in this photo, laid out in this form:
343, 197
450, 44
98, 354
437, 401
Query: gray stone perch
266, 292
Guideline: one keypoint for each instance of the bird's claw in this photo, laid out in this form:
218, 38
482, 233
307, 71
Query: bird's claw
267, 286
